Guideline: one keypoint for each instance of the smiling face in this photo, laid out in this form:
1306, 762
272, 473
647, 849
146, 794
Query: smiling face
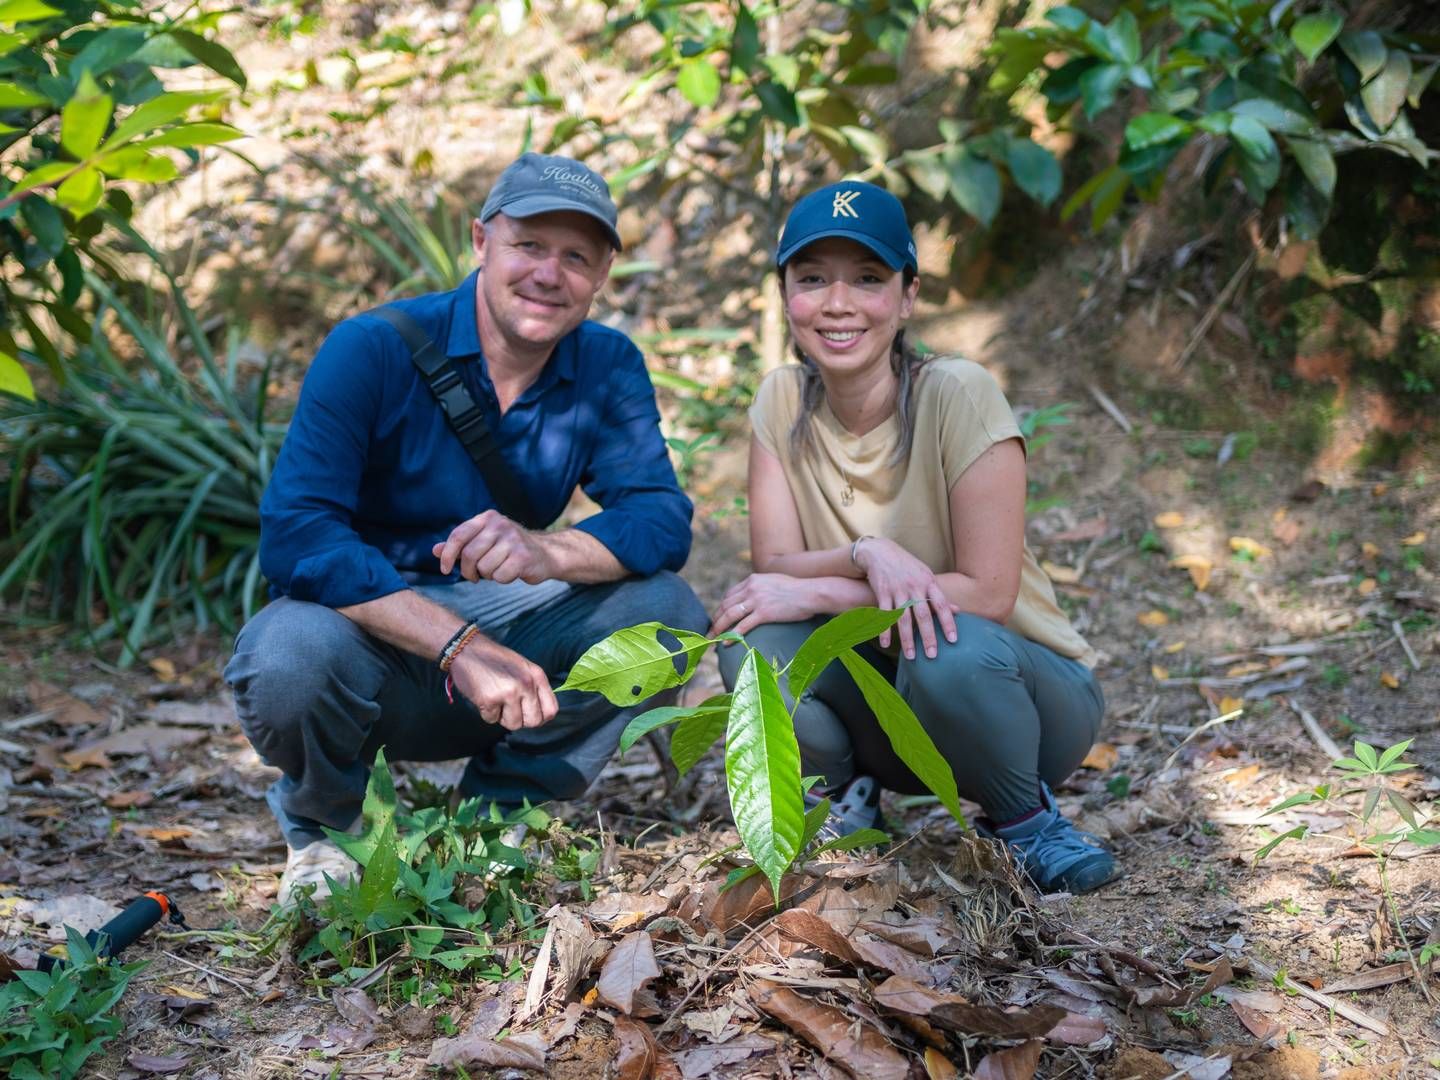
845, 305
539, 277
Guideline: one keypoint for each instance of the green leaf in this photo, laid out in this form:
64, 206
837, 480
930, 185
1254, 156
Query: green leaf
699, 82
133, 163
46, 225
108, 49
843, 632
84, 118
82, 192
1385, 94
632, 664
1216, 123
1366, 753
1123, 33
1034, 170
871, 75
197, 134
1391, 755
778, 103
745, 45
1302, 799
695, 735
159, 111
1153, 129
382, 870
1372, 800
1317, 162
1297, 833
212, 54
1275, 116
20, 97
1068, 18
1404, 807
870, 145
858, 839
928, 171
1366, 50
762, 769
17, 11
784, 69
1252, 138
1313, 34
1098, 87
1419, 81
974, 183
911, 742
1424, 837
652, 720
14, 379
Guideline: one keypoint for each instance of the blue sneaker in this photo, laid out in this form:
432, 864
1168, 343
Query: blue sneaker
853, 807
1054, 854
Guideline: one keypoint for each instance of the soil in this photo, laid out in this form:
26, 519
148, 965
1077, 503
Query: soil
1321, 600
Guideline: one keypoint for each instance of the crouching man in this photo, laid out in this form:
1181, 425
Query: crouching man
419, 605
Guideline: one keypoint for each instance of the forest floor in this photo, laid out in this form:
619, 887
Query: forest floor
1307, 610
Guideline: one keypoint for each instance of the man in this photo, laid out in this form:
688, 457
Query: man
411, 611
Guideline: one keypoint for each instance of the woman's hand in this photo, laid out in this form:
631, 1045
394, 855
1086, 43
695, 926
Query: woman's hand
761, 599
898, 578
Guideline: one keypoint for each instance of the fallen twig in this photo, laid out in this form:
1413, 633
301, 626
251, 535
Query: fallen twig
212, 973
1339, 1007
1405, 644
1111, 409
1221, 303
1327, 745
1203, 727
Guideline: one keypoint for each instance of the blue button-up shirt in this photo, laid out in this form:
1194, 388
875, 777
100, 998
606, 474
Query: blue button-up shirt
371, 475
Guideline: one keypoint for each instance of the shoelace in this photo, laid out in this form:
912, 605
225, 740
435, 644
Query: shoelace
1059, 845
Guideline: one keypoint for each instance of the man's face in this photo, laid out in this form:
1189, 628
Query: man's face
539, 276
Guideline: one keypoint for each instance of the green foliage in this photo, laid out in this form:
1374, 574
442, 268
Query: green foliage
136, 496
768, 97
434, 889
52, 1022
1279, 89
81, 109
762, 757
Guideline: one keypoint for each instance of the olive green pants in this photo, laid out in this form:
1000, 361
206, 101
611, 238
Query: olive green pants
1004, 711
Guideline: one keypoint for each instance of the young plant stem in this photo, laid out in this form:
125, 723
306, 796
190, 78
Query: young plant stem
1383, 860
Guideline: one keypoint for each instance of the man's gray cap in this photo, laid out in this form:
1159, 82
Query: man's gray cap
545, 183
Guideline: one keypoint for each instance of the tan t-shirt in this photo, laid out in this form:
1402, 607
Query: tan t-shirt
960, 412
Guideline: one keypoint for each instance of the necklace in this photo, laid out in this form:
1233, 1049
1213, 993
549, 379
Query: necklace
847, 493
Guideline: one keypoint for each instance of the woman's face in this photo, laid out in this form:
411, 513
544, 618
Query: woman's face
845, 305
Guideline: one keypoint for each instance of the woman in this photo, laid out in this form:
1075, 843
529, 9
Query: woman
878, 477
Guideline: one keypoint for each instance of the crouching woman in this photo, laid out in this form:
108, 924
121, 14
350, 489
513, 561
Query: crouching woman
881, 477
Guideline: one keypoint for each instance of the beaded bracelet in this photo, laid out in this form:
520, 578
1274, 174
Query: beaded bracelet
456, 645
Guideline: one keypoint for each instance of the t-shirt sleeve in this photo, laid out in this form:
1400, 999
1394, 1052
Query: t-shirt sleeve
773, 410
973, 416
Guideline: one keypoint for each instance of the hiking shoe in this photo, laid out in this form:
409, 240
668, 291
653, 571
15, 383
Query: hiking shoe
309, 865
1053, 853
853, 807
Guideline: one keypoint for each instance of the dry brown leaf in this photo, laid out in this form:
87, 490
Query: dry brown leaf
1257, 1023
121, 800
156, 1065
1389, 680
575, 950
86, 757
1369, 550
1061, 575
69, 711
1366, 587
523, 1051
1172, 649
356, 1008
1170, 519
1245, 544
891, 958
1158, 673
620, 911
855, 1046
1230, 704
1286, 530
1243, 777
811, 929
1077, 1029
1016, 1063
203, 714
1086, 530
1250, 667
926, 936
956, 1013
1415, 539
938, 1066
630, 965
1102, 757
164, 669
1379, 489
162, 834
746, 901
636, 1052
1152, 618
152, 739
1198, 566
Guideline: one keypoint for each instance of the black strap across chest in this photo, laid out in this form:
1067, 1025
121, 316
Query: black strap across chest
465, 417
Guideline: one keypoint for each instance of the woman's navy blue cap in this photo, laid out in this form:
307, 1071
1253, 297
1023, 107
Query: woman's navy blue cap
856, 210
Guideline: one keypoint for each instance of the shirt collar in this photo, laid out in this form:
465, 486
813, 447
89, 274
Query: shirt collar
463, 339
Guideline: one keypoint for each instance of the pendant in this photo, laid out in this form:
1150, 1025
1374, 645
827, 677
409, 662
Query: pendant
847, 495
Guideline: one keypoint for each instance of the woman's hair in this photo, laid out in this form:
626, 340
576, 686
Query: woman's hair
905, 362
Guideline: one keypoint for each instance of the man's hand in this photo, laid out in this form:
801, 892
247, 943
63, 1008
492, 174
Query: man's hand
507, 689
492, 546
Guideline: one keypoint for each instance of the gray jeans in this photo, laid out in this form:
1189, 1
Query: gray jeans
1004, 711
317, 696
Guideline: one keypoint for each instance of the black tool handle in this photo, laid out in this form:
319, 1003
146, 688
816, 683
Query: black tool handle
125, 929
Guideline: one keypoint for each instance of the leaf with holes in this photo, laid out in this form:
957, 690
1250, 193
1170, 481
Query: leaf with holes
633, 664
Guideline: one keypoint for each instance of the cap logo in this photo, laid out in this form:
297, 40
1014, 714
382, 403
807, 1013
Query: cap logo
841, 206
556, 175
